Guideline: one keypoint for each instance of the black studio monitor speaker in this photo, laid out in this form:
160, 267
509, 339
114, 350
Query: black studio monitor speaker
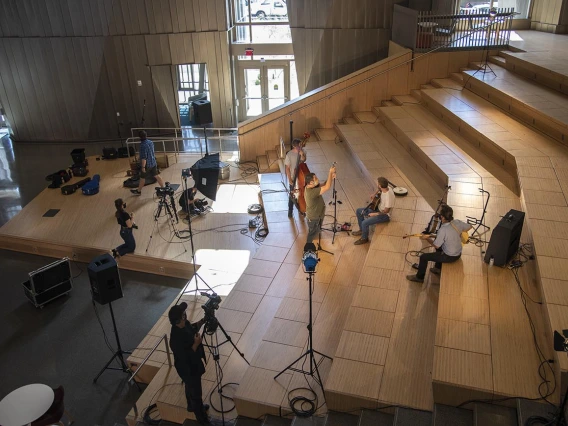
202, 113
505, 238
105, 280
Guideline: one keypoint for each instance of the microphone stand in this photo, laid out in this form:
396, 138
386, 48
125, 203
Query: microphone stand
334, 201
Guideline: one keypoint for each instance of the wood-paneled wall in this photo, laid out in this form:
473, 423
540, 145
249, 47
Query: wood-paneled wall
550, 16
61, 81
87, 18
333, 38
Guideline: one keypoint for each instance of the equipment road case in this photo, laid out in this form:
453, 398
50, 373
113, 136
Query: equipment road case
49, 282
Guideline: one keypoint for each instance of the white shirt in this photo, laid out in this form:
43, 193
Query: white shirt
387, 201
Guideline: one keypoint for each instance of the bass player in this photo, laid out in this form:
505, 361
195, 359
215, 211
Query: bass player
378, 211
293, 158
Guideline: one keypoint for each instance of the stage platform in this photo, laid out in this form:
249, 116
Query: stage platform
85, 226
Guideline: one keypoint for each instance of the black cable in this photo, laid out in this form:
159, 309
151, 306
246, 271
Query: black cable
109, 346
79, 268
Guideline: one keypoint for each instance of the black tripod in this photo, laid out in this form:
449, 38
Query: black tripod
335, 202
170, 211
211, 330
313, 372
118, 355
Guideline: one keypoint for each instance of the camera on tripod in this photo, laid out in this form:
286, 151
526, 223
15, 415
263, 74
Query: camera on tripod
212, 304
165, 191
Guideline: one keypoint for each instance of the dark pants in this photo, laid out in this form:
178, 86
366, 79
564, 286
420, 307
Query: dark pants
193, 394
438, 256
129, 244
314, 227
291, 201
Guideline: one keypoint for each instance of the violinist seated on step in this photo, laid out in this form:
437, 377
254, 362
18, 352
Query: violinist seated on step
378, 211
294, 157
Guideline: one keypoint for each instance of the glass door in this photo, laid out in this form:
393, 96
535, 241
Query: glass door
262, 88
276, 87
252, 98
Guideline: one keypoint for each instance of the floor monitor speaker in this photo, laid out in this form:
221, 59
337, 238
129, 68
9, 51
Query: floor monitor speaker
505, 238
104, 278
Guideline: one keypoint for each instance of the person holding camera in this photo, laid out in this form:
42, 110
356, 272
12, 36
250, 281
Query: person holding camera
148, 163
187, 200
315, 205
126, 222
185, 343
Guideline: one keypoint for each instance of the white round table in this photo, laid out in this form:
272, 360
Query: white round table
25, 404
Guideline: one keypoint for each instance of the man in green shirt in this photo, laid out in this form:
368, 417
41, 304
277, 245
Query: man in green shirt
315, 206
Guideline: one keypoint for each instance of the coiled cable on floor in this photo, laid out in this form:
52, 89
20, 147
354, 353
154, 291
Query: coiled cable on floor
302, 401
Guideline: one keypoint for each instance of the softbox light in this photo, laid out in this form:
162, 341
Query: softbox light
206, 175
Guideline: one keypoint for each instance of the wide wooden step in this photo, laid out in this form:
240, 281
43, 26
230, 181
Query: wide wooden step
349, 120
404, 99
534, 104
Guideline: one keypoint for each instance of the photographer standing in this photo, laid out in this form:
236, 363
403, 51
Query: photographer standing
148, 163
126, 222
185, 343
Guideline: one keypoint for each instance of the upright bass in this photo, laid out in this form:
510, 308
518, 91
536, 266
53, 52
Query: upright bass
300, 179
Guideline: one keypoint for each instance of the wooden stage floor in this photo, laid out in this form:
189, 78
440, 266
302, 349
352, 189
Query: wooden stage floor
85, 225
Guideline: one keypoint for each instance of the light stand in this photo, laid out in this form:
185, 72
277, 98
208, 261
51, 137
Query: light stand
309, 261
118, 355
214, 350
185, 173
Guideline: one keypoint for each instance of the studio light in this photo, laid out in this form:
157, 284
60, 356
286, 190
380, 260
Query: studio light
310, 258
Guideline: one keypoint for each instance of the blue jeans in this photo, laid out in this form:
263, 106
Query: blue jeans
129, 244
364, 223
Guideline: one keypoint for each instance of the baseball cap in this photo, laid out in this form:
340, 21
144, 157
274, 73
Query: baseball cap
176, 312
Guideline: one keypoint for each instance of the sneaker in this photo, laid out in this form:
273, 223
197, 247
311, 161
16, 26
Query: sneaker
414, 278
136, 191
415, 265
361, 241
435, 271
290, 215
356, 233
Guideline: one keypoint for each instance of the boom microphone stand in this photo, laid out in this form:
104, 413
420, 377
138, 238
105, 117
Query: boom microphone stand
334, 201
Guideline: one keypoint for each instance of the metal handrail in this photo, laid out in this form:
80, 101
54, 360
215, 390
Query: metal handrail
165, 338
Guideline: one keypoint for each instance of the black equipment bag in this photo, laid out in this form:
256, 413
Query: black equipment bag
135, 180
79, 170
57, 179
110, 153
70, 189
123, 152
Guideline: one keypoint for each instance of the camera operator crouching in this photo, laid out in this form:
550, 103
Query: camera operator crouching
187, 200
189, 354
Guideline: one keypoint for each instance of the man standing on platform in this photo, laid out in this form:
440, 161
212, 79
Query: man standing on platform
367, 217
148, 163
293, 159
315, 205
447, 243
185, 343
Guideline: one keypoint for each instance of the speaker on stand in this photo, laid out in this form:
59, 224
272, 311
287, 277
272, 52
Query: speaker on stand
202, 114
505, 238
106, 288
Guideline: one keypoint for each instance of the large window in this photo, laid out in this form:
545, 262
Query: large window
261, 21
193, 82
483, 6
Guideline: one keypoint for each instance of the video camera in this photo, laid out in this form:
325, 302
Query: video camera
165, 191
212, 304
